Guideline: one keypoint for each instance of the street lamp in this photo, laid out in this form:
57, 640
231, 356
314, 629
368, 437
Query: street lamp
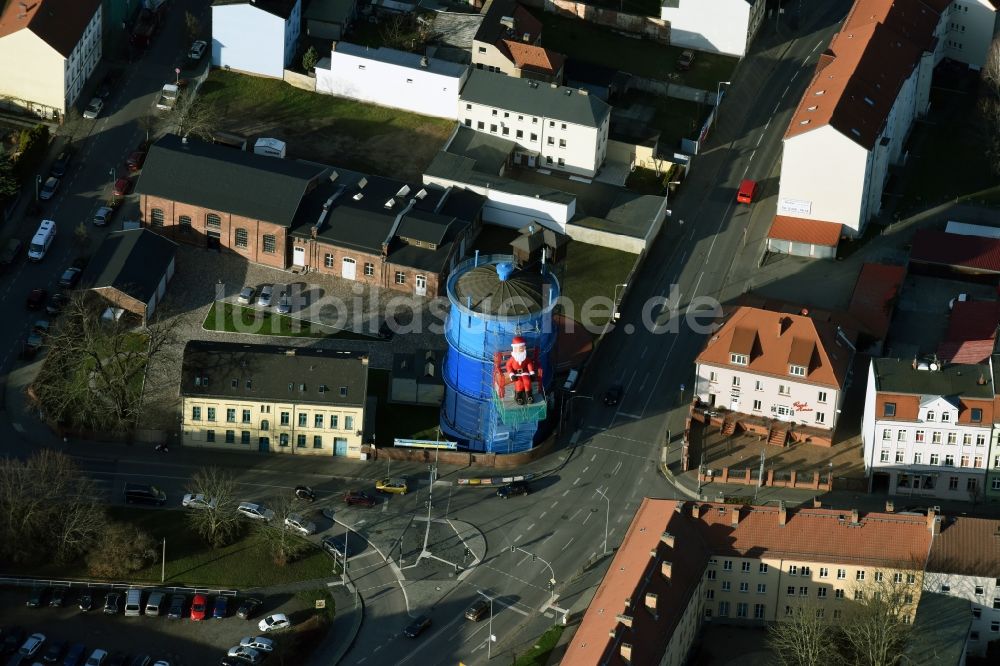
569, 407
607, 518
111, 172
38, 182
718, 98
489, 644
614, 304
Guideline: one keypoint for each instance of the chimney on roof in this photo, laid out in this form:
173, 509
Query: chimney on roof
804, 312
333, 45
854, 517
651, 599
914, 365
666, 570
424, 62
933, 521
982, 380
735, 519
625, 619
783, 324
626, 652
667, 538
696, 510
890, 506
782, 514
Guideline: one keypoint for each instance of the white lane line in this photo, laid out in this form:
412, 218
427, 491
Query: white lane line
565, 492
795, 75
629, 416
775, 109
593, 457
768, 123
617, 467
568, 543
585, 469
518, 538
786, 91
759, 139
553, 505
693, 292
586, 519
529, 527
543, 515
818, 44
577, 481
524, 559
573, 517
643, 354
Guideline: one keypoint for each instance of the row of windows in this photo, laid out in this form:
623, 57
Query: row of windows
935, 459
269, 243
329, 261
783, 389
928, 481
920, 437
742, 609
744, 587
301, 441
975, 413
245, 417
805, 570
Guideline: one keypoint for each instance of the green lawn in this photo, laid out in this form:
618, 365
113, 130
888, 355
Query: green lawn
539, 654
643, 57
402, 421
258, 322
592, 270
191, 562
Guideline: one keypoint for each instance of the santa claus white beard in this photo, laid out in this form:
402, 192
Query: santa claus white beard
519, 356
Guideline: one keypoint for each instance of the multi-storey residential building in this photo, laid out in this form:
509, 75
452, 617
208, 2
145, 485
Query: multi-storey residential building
553, 127
718, 26
295, 401
760, 565
776, 368
256, 36
964, 563
967, 29
508, 41
48, 49
927, 429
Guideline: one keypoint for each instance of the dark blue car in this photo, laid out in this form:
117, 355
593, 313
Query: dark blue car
221, 607
75, 654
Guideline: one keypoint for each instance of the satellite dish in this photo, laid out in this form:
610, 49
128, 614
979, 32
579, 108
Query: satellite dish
934, 367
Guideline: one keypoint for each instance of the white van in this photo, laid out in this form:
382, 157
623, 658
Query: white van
133, 603
270, 147
42, 240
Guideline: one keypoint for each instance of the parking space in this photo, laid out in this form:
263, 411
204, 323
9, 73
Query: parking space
181, 642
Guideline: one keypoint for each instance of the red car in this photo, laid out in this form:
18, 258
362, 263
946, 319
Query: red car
36, 299
198, 607
135, 160
122, 187
358, 498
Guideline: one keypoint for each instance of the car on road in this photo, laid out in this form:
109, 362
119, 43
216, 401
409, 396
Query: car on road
198, 607
37, 598
246, 296
70, 277
245, 654
613, 395
747, 191
122, 186
58, 597
32, 645
478, 610
75, 654
305, 493
36, 297
391, 486
97, 658
56, 304
254, 511
297, 523
112, 603
11, 251
417, 627
513, 489
86, 602
54, 652
198, 501
685, 60
335, 545
197, 51
259, 643
33, 343
274, 622
103, 215
135, 160
49, 189
61, 165
94, 108
177, 602
284, 305
220, 609
571, 379
264, 297
358, 498
248, 608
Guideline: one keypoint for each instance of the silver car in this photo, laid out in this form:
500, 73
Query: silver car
284, 303
102, 215
93, 108
297, 523
49, 189
264, 297
246, 296
255, 511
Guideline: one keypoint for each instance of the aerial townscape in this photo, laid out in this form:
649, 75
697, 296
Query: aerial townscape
531, 332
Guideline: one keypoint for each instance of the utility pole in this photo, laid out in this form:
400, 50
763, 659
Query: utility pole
163, 561
491, 638
607, 518
760, 476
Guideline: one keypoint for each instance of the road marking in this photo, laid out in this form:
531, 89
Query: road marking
643, 354
553, 505
818, 44
577, 481
524, 559
565, 492
593, 457
529, 527
568, 543
768, 124
360, 523
573, 517
786, 91
775, 109
543, 515
518, 538
759, 139
795, 75
693, 292
587, 518
586, 468
617, 467
629, 416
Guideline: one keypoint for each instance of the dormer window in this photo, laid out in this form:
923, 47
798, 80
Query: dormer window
930, 415
739, 359
797, 370
945, 417
976, 415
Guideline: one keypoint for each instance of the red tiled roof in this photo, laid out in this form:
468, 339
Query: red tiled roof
971, 252
873, 297
59, 24
913, 19
967, 546
972, 331
536, 58
801, 230
526, 23
630, 577
908, 408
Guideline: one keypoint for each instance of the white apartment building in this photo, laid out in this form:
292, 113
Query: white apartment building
553, 127
718, 26
48, 49
963, 563
776, 366
968, 27
392, 78
926, 429
256, 36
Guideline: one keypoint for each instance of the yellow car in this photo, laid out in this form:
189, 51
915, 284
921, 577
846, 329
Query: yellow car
391, 486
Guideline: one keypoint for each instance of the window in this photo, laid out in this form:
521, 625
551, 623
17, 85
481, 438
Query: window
727, 565
333, 421
884, 457
534, 137
246, 416
265, 424
230, 436
185, 222
886, 435
899, 455
797, 370
917, 458
995, 484
935, 459
303, 419
952, 438
317, 441
803, 591
900, 435
935, 437
806, 571
966, 439
761, 588
758, 385
949, 460
480, 125
211, 413
836, 614
841, 574
930, 415
945, 417
823, 572
726, 586
505, 130
562, 143
209, 435
156, 217
493, 127
400, 277
318, 421
971, 484
889, 409
979, 589
328, 260
196, 413
838, 594
552, 141
859, 595
713, 377
242, 237
919, 438
285, 418
745, 567
821, 397
788, 611
976, 415
213, 220
709, 594
348, 423
723, 609
964, 461
758, 611
784, 390
741, 609
995, 626
744, 587
519, 134
756, 405
244, 437
980, 440
300, 441
879, 577
820, 612
860, 575
710, 574
911, 578
270, 244
790, 590
739, 359
821, 592
736, 381
369, 269
762, 568
996, 600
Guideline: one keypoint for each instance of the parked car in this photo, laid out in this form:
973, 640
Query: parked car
70, 277
259, 643
394, 486
220, 609
358, 498
305, 493
264, 297
75, 654
198, 607
141, 660
246, 296
56, 304
284, 305
478, 610
15, 636
36, 297
747, 191
198, 501
197, 51
49, 189
37, 597
248, 608
135, 160
86, 602
246, 654
685, 60
32, 645
176, 611
94, 108
61, 165
274, 622
11, 251
112, 603
54, 652
103, 215
417, 627
255, 511
514, 489
122, 186
613, 395
58, 597
297, 523
339, 546
97, 658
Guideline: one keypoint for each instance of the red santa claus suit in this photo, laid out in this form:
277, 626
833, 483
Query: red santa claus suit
520, 363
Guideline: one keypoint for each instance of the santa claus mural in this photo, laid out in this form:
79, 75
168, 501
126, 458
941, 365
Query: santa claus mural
520, 370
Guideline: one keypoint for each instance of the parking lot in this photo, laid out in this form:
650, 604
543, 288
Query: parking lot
180, 642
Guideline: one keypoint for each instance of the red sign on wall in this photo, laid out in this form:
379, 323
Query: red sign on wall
802, 406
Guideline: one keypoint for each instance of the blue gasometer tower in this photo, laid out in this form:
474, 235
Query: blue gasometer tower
492, 302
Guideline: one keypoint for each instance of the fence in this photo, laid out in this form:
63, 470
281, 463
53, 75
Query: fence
662, 88
47, 582
772, 478
301, 81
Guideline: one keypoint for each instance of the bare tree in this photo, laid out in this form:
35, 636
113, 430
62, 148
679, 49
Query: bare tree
218, 523
991, 68
195, 117
192, 26
989, 112
124, 549
806, 638
878, 628
283, 544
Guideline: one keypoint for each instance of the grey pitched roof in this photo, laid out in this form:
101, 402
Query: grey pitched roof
132, 262
455, 28
423, 226
491, 28
898, 376
296, 375
282, 8
940, 631
403, 59
534, 98
220, 178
